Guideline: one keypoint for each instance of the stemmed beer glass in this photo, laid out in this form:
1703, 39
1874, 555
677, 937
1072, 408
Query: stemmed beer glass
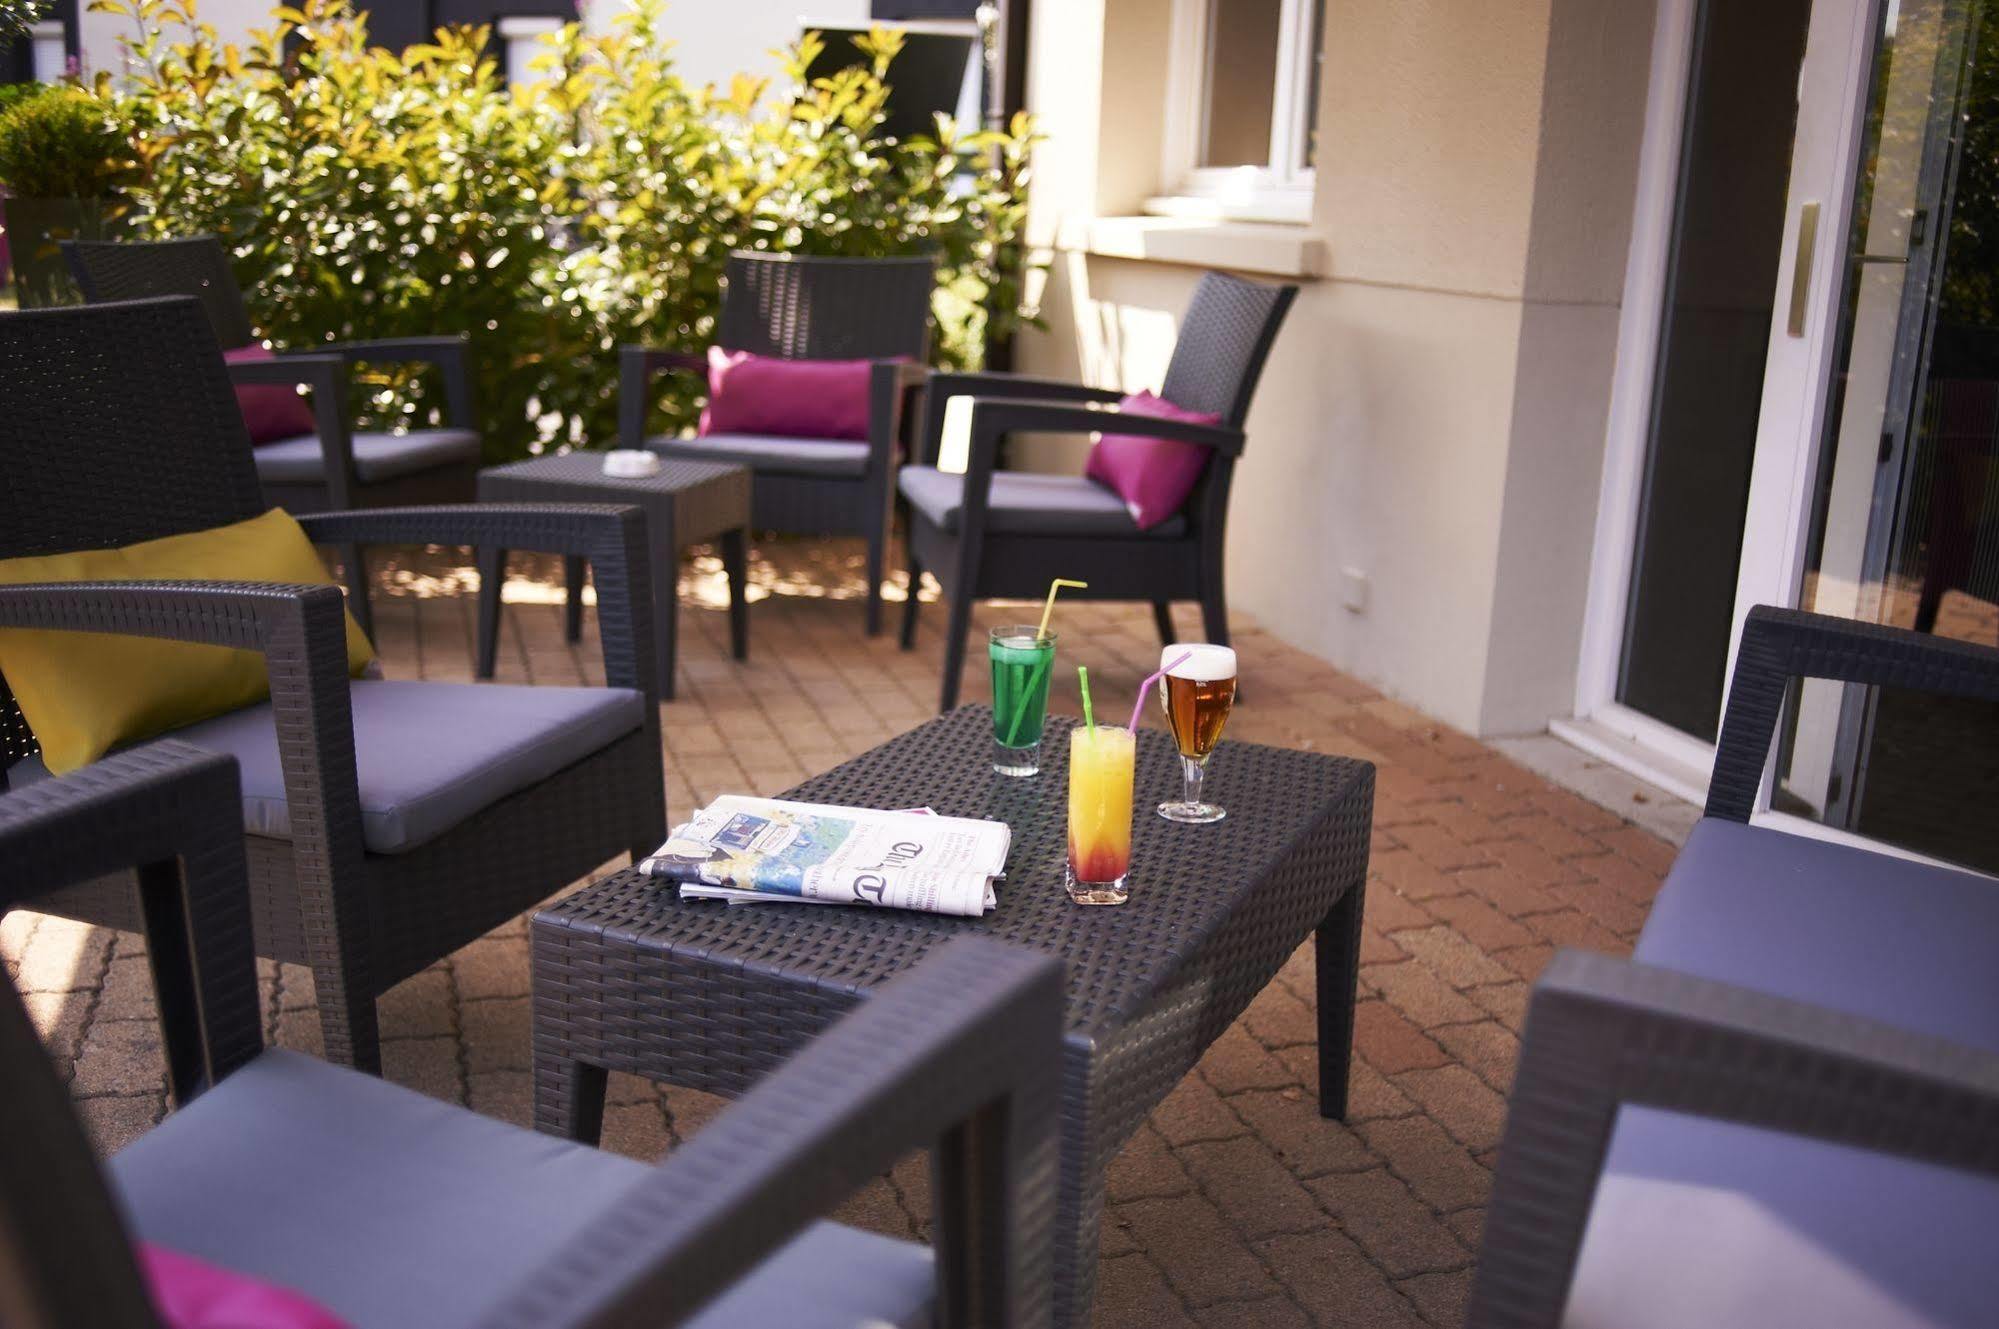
1198, 692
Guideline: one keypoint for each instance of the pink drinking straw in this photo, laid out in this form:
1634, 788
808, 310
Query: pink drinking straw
1152, 678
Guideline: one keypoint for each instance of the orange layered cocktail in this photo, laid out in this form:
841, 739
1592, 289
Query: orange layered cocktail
1100, 771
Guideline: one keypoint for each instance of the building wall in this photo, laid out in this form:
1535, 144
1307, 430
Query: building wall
1433, 414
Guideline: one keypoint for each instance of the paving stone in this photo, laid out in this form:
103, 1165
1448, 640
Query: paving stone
1327, 1273
417, 1007
1451, 957
1469, 1224
690, 1109
63, 956
428, 1065
1443, 1298
1236, 1061
127, 991
299, 1030
1474, 919
1508, 891
1114, 1235
1131, 1293
119, 1057
59, 1019
491, 967
1571, 928
1460, 1102
1411, 877
1441, 1172
1268, 1313
1487, 1049
1279, 1019
1193, 1245
296, 990
1145, 1169
1440, 849
1526, 962
638, 1130
1505, 1002
1252, 1187
875, 1208
1397, 1230
1423, 998
1390, 1042
508, 1095
1288, 1121
115, 1120
1193, 1112
497, 1034
1387, 911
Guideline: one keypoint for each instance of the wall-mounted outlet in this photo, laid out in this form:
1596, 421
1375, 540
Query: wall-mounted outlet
1353, 590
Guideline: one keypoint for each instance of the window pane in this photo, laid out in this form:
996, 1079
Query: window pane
1242, 74
1308, 132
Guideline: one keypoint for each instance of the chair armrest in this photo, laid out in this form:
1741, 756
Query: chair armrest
1779, 645
452, 354
941, 388
175, 813
326, 375
891, 384
964, 1047
636, 366
612, 537
1603, 1032
302, 633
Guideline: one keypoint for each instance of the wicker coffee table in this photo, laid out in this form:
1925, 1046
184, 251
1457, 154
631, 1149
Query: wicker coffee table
712, 996
687, 503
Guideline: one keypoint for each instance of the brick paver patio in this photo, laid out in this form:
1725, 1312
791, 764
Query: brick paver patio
1235, 1204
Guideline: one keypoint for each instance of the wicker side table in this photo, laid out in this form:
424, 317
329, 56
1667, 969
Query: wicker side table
686, 503
629, 978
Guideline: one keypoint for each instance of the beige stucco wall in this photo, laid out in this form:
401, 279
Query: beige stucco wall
1433, 412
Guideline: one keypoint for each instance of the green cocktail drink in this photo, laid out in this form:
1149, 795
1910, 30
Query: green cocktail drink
1023, 663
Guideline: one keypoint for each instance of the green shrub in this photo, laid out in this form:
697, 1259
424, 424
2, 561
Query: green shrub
13, 94
366, 193
62, 144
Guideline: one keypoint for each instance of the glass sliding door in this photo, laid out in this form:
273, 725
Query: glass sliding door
1721, 283
1904, 497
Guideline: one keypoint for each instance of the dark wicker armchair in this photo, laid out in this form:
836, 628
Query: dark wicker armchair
991, 533
392, 822
800, 308
390, 1208
1785, 1108
336, 468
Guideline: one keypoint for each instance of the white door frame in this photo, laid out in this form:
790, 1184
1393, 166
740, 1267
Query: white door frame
1796, 373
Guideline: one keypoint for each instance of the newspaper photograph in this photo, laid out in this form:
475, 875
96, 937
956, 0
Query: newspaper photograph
758, 850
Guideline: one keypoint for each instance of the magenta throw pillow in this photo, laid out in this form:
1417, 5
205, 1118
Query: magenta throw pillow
762, 394
1153, 476
193, 1294
271, 411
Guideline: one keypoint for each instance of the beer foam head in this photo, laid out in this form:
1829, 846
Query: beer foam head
1204, 663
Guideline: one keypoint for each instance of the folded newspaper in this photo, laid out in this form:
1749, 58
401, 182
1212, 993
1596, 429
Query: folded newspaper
761, 850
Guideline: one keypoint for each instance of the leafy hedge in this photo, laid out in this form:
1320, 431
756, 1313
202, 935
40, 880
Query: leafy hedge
370, 193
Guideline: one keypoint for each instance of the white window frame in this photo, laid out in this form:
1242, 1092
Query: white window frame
1280, 191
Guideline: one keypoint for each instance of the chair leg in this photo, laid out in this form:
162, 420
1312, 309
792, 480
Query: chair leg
877, 555
736, 562
960, 620
1162, 618
572, 610
347, 1022
356, 561
492, 576
1215, 615
910, 605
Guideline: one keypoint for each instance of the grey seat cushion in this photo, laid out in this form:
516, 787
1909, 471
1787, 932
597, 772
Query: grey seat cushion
377, 457
776, 456
1026, 503
426, 755
1698, 1222
1901, 942
393, 1209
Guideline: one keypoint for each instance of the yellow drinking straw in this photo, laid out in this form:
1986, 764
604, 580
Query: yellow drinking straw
1083, 683
1048, 610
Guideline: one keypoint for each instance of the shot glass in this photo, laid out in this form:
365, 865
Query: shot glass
1023, 663
1100, 772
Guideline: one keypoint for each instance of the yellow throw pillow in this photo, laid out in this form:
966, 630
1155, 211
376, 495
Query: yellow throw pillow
84, 693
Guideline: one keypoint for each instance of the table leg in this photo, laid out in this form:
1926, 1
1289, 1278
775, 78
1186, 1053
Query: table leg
1337, 955
492, 564
569, 1098
572, 609
665, 604
736, 561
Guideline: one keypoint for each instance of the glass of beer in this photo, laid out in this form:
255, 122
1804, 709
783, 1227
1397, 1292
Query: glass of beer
1023, 659
1101, 761
1197, 694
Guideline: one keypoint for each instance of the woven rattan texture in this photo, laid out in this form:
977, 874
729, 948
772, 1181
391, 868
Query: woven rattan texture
108, 270
702, 499
629, 978
827, 308
1224, 340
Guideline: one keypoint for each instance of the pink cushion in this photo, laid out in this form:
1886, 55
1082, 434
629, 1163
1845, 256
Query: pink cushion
1152, 475
761, 394
193, 1294
271, 411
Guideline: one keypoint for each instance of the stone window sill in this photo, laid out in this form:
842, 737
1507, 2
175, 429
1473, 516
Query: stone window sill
1272, 248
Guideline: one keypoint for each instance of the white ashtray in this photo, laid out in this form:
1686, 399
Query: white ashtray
631, 463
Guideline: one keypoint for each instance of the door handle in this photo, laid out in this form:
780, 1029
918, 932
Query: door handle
1801, 267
